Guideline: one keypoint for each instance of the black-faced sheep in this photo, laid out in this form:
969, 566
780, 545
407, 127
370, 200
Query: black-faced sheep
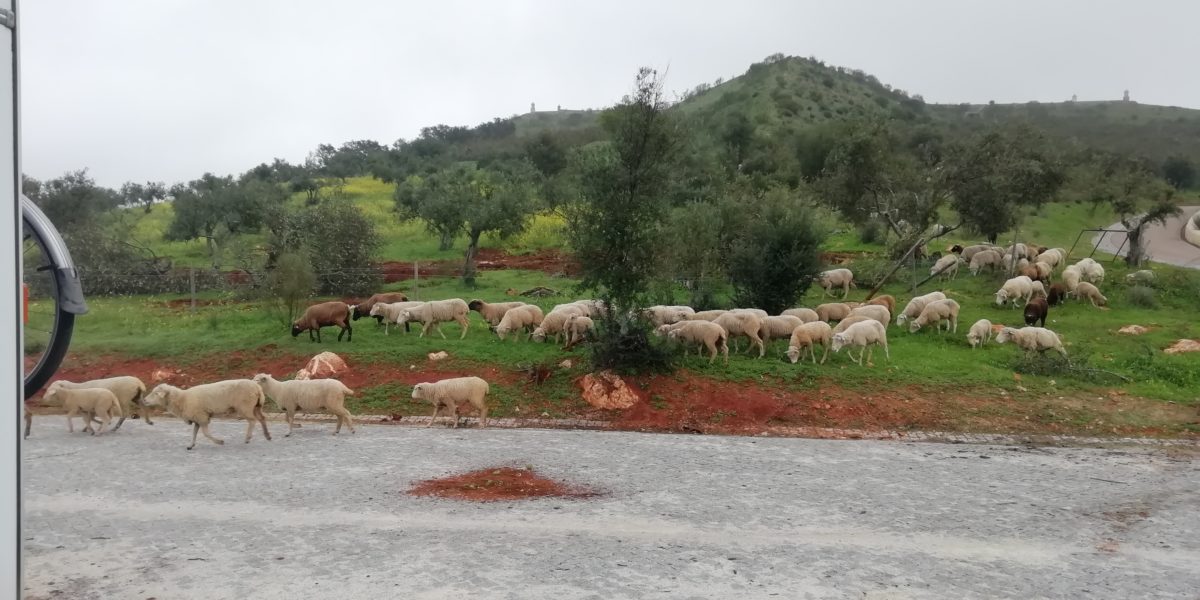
1035, 311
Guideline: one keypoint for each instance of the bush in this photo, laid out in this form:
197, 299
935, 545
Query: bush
290, 283
627, 347
341, 243
775, 259
870, 232
1141, 296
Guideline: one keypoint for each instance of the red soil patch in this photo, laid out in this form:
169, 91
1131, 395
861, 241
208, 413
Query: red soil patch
496, 484
488, 259
839, 258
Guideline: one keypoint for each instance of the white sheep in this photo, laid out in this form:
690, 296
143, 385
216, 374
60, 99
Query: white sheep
987, 258
946, 266
433, 314
969, 252
914, 307
522, 317
935, 313
197, 405
1091, 292
554, 323
806, 315
1032, 339
862, 335
1094, 272
775, 328
449, 393
492, 312
578, 328
980, 333
706, 315
1037, 290
390, 311
702, 333
873, 311
833, 311
308, 395
129, 391
845, 324
1071, 277
665, 315
92, 402
758, 312
1142, 277
1017, 288
746, 324
1052, 257
843, 278
808, 336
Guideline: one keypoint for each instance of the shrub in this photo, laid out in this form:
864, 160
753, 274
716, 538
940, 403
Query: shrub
870, 232
341, 243
290, 283
776, 257
626, 346
1141, 296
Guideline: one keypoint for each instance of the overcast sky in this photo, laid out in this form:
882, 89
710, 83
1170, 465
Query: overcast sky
167, 89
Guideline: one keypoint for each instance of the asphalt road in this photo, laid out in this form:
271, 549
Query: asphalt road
134, 515
1164, 242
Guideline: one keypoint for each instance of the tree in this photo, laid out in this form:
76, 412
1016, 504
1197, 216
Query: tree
71, 201
737, 135
501, 204
999, 172
290, 283
1139, 197
1179, 171
438, 200
341, 242
215, 208
546, 154
777, 254
145, 195
613, 227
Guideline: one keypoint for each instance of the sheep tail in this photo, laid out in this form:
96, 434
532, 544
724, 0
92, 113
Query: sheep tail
345, 389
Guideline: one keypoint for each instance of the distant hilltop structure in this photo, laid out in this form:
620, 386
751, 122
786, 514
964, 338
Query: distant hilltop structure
1126, 97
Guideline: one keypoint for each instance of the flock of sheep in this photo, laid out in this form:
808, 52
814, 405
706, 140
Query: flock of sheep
832, 326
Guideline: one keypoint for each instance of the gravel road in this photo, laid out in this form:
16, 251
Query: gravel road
134, 515
1164, 242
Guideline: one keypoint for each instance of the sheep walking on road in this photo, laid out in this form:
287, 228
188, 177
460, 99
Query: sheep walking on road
129, 391
92, 402
448, 393
308, 395
198, 404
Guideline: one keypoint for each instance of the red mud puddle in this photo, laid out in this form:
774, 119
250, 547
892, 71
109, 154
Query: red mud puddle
498, 484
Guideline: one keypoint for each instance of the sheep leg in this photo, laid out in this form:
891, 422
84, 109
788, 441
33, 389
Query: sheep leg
88, 417
70, 421
436, 407
870, 353
954, 321
762, 349
195, 430
143, 410
825, 355
887, 353
204, 430
258, 414
466, 324
344, 414
438, 327
483, 416
454, 413
288, 416
104, 422
712, 350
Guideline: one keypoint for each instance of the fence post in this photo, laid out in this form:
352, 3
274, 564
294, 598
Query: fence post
192, 284
416, 279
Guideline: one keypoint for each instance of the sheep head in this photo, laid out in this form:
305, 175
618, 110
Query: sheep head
839, 340
1001, 297
405, 316
160, 395
297, 329
793, 354
1005, 335
262, 377
418, 392
914, 326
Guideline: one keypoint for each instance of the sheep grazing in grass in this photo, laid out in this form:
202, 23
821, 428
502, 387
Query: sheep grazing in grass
845, 324
863, 335
1057, 294
198, 404
1052, 257
129, 391
554, 324
1092, 271
1032, 339
987, 258
578, 329
492, 313
914, 307
522, 317
1071, 277
946, 267
363, 309
833, 311
1036, 310
92, 402
1142, 277
1037, 290
390, 313
310, 396
936, 313
806, 315
836, 278
1091, 292
873, 311
1043, 271
886, 300
980, 333
808, 336
665, 315
709, 315
433, 314
448, 393
777, 328
738, 324
325, 314
705, 334
969, 252
1017, 288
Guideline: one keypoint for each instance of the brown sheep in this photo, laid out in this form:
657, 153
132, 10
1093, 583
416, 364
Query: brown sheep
363, 309
321, 315
1058, 293
1035, 310
886, 300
